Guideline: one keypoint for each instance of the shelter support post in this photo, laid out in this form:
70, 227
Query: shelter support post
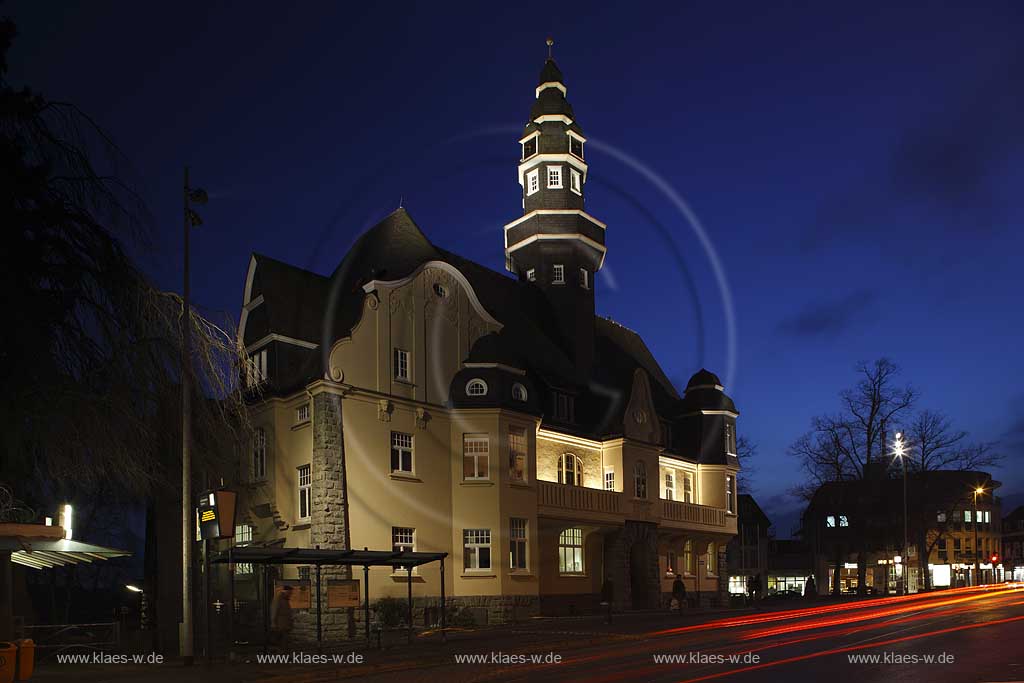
366, 602
444, 609
319, 611
408, 582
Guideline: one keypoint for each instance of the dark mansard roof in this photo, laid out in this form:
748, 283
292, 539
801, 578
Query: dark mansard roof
313, 308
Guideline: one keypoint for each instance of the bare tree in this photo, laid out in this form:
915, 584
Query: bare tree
746, 451
935, 444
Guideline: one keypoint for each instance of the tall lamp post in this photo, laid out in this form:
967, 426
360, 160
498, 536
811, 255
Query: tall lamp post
974, 518
899, 448
191, 196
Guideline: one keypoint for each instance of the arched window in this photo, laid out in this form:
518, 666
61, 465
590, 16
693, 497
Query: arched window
519, 392
640, 479
570, 551
476, 387
688, 557
712, 558
570, 470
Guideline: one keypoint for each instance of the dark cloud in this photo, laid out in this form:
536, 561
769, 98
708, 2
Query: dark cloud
829, 318
944, 166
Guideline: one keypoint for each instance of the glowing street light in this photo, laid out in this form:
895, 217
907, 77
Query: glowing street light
899, 449
133, 589
977, 492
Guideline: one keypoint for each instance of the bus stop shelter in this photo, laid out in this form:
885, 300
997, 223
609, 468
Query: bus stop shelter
317, 558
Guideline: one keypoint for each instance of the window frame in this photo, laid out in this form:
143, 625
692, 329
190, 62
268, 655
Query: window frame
532, 182
558, 274
304, 473
688, 488
711, 561
518, 544
576, 181
477, 382
640, 479
670, 485
476, 456
256, 369
609, 478
688, 557
555, 177
571, 555
671, 563
531, 275
577, 469
399, 544
730, 494
519, 392
401, 359
258, 463
584, 278
474, 541
303, 413
573, 137
535, 139
402, 449
517, 456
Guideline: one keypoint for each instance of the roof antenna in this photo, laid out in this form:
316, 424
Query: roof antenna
400, 200
550, 42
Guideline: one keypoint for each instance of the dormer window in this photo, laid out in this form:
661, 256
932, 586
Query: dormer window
530, 148
584, 278
575, 146
532, 182
575, 181
519, 392
476, 387
554, 177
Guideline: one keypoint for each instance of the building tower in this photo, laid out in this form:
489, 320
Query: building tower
556, 244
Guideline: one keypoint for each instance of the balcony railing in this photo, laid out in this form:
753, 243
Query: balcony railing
578, 498
691, 513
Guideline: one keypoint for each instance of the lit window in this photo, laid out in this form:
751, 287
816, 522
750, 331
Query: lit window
688, 557
555, 177
517, 454
305, 490
302, 413
532, 182
259, 455
967, 516
609, 479
401, 452
730, 494
640, 479
531, 275
575, 181
584, 278
243, 537
570, 470
830, 521
570, 551
517, 543
670, 485
529, 148
475, 454
670, 563
519, 392
304, 573
687, 487
558, 274
575, 146
476, 387
476, 550
256, 369
401, 361
712, 559
843, 520
730, 439
403, 539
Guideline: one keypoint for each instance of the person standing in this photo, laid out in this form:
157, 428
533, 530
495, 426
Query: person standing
679, 593
281, 617
607, 597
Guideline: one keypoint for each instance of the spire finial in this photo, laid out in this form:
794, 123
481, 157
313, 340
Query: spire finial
550, 41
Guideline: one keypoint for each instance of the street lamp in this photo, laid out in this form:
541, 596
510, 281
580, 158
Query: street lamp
191, 196
974, 518
899, 449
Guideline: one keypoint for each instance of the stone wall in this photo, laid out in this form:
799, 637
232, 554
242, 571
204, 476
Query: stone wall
618, 550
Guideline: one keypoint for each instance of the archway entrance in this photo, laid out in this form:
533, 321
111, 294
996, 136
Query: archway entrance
639, 561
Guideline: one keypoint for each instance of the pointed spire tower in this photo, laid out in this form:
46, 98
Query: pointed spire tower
556, 243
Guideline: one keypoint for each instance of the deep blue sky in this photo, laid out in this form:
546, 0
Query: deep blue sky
858, 169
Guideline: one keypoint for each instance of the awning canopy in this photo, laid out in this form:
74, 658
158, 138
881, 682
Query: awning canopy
318, 556
45, 553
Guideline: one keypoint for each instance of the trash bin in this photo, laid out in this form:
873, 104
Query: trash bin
26, 659
8, 657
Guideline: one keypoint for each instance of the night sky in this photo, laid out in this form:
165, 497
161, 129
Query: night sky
857, 171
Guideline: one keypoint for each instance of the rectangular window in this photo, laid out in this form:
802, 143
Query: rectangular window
584, 278
401, 452
609, 479
302, 414
670, 485
529, 148
830, 521
967, 516
475, 453
956, 544
259, 455
570, 551
562, 406
256, 369
575, 181
531, 275
517, 543
305, 491
558, 274
517, 454
243, 537
403, 539
304, 572
670, 563
843, 520
476, 550
687, 487
575, 146
555, 177
532, 182
730, 439
401, 365
730, 493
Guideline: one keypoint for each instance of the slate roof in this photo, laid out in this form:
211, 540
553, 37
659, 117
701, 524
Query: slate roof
297, 302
